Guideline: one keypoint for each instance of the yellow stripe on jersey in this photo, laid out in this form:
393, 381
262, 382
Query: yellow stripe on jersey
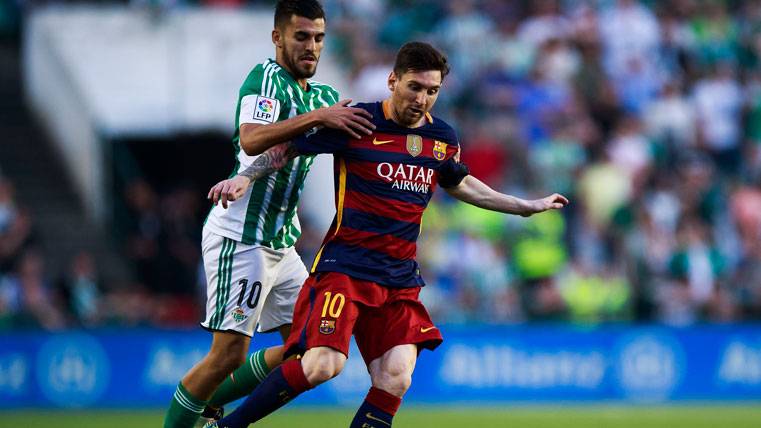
339, 208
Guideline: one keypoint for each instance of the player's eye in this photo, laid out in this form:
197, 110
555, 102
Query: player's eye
319, 38
433, 91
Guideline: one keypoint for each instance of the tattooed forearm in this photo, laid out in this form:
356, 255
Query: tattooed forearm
270, 161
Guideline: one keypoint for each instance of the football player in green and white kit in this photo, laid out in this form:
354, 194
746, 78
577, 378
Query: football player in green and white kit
252, 270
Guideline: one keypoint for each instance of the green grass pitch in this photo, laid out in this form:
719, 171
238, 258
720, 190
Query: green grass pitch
592, 416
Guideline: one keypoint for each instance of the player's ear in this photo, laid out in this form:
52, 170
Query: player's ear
276, 40
392, 81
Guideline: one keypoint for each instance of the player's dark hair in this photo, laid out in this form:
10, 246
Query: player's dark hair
420, 56
310, 9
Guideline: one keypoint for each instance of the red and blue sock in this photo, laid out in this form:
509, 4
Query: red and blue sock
281, 386
377, 411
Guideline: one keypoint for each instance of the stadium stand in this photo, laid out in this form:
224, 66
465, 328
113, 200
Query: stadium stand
613, 104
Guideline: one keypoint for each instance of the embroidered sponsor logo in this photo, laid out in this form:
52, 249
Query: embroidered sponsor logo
378, 142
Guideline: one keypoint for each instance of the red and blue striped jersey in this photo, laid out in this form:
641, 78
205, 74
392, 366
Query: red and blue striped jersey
383, 183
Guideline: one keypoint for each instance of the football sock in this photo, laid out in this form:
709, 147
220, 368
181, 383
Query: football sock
184, 410
282, 385
242, 381
377, 411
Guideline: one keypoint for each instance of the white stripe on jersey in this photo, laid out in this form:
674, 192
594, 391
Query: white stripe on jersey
286, 200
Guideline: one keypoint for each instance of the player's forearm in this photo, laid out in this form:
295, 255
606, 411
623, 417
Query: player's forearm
477, 193
255, 139
270, 161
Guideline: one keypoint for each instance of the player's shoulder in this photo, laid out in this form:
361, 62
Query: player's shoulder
326, 92
260, 77
322, 86
262, 70
372, 107
444, 130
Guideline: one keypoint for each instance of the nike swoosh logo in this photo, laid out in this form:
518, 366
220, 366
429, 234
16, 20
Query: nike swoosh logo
426, 330
378, 143
370, 416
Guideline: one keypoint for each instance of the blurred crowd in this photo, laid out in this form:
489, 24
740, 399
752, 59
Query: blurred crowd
646, 114
162, 249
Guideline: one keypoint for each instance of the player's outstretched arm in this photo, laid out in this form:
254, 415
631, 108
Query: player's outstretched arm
476, 192
256, 138
270, 161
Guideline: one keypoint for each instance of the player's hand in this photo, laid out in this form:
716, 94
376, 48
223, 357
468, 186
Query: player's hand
552, 202
228, 190
353, 120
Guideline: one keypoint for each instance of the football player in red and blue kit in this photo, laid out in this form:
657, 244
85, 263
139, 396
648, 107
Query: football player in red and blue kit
365, 279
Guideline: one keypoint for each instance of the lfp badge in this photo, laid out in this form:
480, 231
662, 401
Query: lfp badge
414, 144
266, 109
439, 150
265, 106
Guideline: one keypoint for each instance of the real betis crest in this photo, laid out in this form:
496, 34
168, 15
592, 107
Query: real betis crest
439, 150
414, 144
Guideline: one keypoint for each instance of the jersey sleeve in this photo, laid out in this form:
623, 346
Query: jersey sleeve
326, 140
262, 98
451, 171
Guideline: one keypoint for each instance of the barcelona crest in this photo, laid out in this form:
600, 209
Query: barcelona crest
327, 326
414, 144
439, 150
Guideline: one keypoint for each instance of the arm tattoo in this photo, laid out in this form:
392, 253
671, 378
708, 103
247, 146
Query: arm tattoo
270, 161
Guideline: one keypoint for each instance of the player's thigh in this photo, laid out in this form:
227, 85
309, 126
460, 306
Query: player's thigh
400, 322
238, 281
324, 315
229, 348
278, 308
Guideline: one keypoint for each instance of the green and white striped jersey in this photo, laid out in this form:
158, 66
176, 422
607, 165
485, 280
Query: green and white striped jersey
266, 214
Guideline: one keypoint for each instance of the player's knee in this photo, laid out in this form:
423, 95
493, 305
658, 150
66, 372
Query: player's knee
394, 377
324, 366
227, 358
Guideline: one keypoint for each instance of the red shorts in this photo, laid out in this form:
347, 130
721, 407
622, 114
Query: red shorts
331, 306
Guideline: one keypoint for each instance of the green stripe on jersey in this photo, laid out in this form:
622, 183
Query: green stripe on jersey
224, 276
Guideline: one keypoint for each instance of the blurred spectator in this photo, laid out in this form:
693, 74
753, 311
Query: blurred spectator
26, 297
630, 35
714, 34
545, 23
143, 232
82, 290
15, 227
718, 101
671, 119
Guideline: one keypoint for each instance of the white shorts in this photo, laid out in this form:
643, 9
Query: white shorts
248, 285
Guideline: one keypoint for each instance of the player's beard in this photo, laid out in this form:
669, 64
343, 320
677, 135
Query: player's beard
298, 70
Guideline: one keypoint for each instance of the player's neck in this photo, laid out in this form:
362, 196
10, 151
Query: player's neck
390, 113
284, 66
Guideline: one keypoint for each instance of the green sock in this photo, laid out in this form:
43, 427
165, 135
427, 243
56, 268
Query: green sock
242, 381
184, 410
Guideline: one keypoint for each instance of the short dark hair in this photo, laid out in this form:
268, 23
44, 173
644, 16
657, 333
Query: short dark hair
310, 9
420, 56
